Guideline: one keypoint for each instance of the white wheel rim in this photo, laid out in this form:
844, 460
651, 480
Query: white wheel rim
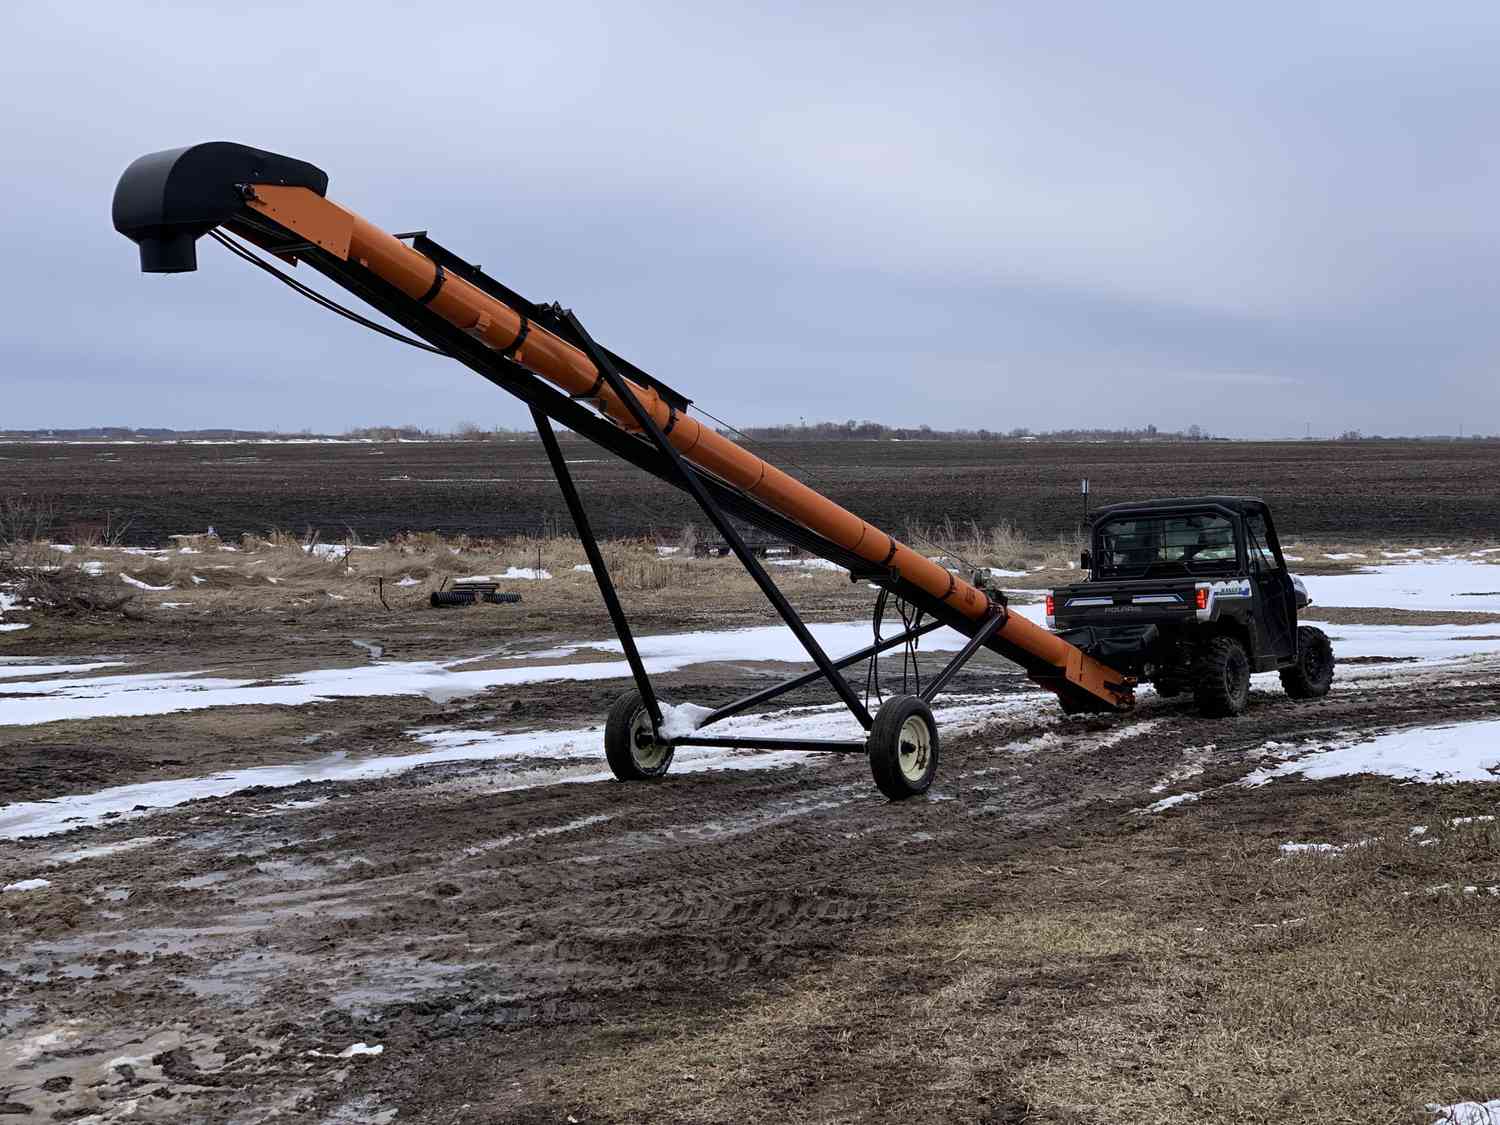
915, 751
647, 752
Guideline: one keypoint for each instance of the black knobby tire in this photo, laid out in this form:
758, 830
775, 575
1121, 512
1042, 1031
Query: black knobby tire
1221, 678
628, 744
1311, 675
903, 746
1168, 686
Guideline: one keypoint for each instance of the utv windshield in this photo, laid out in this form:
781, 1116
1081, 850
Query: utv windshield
1163, 546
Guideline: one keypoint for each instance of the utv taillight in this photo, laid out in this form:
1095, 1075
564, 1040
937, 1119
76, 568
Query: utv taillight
1050, 605
1202, 597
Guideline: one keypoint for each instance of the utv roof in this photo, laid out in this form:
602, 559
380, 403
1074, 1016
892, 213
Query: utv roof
1239, 505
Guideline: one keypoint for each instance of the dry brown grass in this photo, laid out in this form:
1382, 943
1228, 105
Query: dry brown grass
1182, 972
280, 568
1003, 545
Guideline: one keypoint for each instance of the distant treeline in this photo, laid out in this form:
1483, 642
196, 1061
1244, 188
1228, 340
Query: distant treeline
130, 433
818, 431
876, 431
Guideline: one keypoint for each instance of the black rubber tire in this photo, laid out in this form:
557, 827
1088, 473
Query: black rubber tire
1168, 686
628, 760
1221, 678
898, 780
1311, 676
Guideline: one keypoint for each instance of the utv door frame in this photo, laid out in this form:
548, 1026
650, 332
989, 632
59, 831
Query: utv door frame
1275, 598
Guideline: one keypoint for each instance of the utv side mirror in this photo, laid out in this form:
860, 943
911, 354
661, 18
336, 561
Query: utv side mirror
1086, 559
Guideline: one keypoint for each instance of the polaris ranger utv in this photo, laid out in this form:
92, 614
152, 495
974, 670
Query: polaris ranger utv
1193, 595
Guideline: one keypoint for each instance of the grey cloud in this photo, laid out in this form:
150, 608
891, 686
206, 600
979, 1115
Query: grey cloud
972, 215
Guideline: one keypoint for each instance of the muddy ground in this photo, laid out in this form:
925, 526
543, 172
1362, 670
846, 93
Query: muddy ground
1320, 489
750, 944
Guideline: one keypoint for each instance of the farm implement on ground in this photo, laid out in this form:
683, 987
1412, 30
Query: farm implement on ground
543, 355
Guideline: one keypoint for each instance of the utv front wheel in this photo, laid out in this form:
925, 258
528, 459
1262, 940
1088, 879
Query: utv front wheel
633, 752
903, 747
1221, 680
1311, 676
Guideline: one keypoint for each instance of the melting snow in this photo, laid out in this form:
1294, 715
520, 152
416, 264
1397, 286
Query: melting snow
163, 693
332, 552
528, 758
139, 585
527, 572
26, 885
678, 719
10, 671
1464, 752
1466, 1113
808, 564
1453, 585
1425, 642
349, 1052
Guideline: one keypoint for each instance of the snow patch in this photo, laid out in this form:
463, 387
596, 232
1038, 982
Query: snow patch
516, 757
1428, 643
1462, 752
808, 564
164, 693
1466, 1113
26, 885
1460, 585
1171, 802
350, 1051
10, 671
679, 719
332, 552
530, 573
139, 585
1312, 849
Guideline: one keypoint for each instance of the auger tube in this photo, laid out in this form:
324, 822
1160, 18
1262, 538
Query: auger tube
166, 200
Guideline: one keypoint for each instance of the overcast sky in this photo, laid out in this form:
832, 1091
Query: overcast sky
1044, 215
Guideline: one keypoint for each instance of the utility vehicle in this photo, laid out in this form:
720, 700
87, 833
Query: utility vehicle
1193, 595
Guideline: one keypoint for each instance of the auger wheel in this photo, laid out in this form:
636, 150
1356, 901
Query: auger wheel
903, 747
633, 752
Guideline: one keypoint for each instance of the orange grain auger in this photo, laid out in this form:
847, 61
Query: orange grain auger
167, 200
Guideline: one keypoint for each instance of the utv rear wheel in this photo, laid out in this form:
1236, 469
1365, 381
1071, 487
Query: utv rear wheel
1168, 686
1221, 678
903, 746
629, 744
1311, 676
